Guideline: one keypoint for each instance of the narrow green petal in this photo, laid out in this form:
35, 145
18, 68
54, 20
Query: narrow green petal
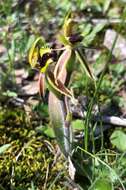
84, 63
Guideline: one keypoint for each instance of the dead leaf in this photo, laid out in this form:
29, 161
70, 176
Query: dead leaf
21, 73
30, 89
72, 169
2, 49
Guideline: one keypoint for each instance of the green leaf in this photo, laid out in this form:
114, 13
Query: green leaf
70, 66
48, 131
11, 51
32, 186
10, 93
117, 69
118, 139
89, 38
78, 124
100, 63
98, 28
106, 5
63, 133
102, 184
42, 110
30, 42
4, 147
86, 29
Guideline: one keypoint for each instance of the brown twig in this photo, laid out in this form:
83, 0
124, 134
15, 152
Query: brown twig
113, 120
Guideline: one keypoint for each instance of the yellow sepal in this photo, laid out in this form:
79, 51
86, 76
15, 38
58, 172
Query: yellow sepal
44, 50
34, 52
43, 69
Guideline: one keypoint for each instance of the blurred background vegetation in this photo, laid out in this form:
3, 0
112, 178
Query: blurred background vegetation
29, 155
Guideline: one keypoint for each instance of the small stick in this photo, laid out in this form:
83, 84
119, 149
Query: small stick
113, 120
102, 21
97, 132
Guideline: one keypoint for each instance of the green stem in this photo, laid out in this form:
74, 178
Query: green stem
88, 117
103, 163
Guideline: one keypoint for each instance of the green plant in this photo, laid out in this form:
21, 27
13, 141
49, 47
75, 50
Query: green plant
57, 75
58, 79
